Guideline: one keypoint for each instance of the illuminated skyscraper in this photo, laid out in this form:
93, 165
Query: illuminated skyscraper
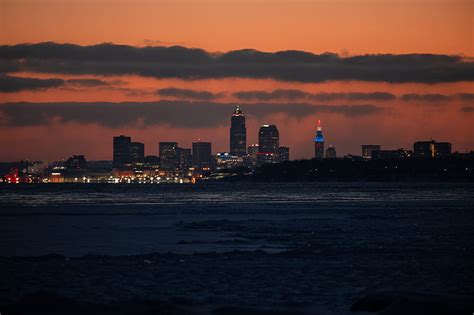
238, 133
319, 142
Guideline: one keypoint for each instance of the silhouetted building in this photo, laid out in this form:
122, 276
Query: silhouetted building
283, 154
202, 154
185, 159
168, 155
76, 162
121, 154
319, 142
368, 148
431, 149
391, 154
238, 133
331, 152
137, 153
268, 139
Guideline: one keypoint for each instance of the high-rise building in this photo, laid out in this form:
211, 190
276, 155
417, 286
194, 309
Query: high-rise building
137, 153
202, 154
283, 154
268, 139
319, 142
238, 133
121, 154
431, 149
168, 155
185, 159
252, 151
368, 148
331, 152
128, 154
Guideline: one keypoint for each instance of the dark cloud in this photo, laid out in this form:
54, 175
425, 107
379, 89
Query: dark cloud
180, 114
426, 97
186, 63
15, 84
466, 96
298, 94
467, 109
189, 94
87, 82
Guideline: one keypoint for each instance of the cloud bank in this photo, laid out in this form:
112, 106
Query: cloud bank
191, 63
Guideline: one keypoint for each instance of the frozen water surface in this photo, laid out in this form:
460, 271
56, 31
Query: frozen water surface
311, 248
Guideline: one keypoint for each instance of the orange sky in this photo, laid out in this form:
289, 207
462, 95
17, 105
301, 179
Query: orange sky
353, 26
342, 26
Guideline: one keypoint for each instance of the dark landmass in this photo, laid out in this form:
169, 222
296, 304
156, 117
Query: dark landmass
451, 169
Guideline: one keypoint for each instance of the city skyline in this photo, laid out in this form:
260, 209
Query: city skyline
383, 76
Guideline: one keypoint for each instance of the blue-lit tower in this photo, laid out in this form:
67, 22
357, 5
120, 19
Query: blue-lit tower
319, 142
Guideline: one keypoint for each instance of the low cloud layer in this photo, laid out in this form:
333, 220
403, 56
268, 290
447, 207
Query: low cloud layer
187, 63
10, 84
189, 94
179, 114
298, 94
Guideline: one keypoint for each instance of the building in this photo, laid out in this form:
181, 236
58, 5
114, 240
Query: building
399, 154
168, 155
368, 148
268, 139
252, 151
202, 155
121, 151
238, 133
137, 153
152, 162
431, 149
266, 158
185, 159
331, 152
319, 142
225, 160
283, 154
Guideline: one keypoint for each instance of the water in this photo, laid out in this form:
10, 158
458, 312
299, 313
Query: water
304, 246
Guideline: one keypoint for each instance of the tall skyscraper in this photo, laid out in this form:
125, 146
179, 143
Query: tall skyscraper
268, 144
121, 154
168, 155
202, 156
137, 153
319, 142
128, 154
268, 139
238, 133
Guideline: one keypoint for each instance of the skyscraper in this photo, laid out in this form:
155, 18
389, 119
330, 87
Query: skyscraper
319, 142
268, 144
238, 133
268, 139
202, 156
283, 154
121, 153
168, 155
137, 153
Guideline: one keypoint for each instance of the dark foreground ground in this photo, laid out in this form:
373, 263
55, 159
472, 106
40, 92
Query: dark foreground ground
341, 249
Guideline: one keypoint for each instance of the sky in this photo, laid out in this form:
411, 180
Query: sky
73, 74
